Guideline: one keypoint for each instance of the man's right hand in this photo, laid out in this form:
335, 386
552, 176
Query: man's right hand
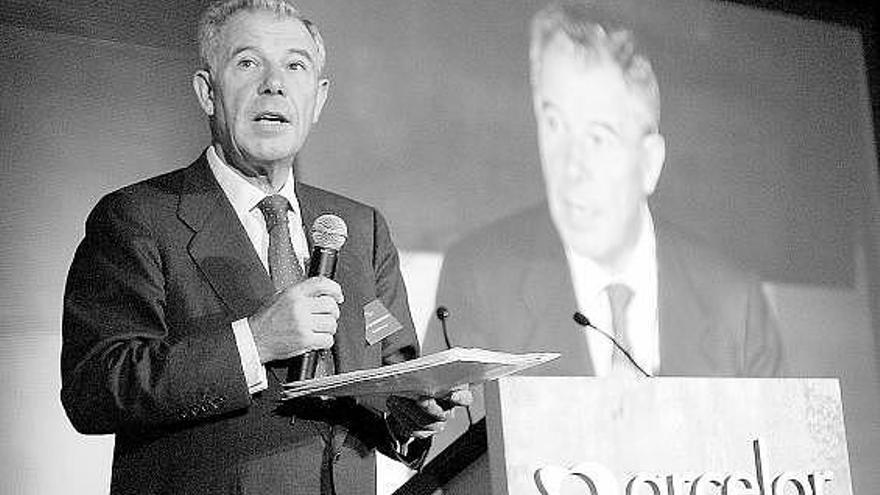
298, 319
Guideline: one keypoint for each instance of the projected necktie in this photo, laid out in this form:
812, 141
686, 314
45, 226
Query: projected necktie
619, 296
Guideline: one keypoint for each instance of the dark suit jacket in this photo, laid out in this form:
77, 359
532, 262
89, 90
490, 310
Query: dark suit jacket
508, 288
148, 352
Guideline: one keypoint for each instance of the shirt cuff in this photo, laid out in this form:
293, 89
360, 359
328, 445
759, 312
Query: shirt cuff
254, 371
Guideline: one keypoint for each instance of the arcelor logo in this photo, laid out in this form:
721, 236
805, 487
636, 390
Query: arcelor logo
592, 478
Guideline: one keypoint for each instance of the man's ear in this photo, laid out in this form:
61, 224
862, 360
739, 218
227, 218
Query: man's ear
655, 156
204, 89
320, 98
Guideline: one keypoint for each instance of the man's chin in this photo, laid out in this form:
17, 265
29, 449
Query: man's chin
576, 230
586, 241
587, 248
270, 154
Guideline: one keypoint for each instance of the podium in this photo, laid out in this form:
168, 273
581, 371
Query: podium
658, 436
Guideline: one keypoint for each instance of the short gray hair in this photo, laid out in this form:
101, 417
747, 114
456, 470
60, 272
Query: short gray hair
596, 38
216, 15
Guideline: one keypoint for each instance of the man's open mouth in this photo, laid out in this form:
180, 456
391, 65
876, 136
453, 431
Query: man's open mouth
273, 117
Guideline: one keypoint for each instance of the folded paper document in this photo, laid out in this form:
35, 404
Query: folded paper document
431, 375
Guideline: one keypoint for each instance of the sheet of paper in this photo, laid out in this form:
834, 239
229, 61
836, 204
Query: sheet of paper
433, 375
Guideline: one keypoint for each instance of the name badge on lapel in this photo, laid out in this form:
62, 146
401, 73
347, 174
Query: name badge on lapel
380, 322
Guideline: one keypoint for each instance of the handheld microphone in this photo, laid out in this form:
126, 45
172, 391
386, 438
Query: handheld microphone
585, 322
329, 233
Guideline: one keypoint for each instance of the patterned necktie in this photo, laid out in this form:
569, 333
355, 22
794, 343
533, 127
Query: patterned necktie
619, 296
284, 266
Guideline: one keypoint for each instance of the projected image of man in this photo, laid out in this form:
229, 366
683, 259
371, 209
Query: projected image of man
594, 246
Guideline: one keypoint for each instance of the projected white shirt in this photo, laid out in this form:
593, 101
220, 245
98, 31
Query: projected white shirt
640, 275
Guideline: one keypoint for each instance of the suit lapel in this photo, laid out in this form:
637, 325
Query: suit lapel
220, 246
684, 325
549, 297
308, 211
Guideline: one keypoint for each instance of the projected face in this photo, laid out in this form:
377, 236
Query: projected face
600, 159
264, 91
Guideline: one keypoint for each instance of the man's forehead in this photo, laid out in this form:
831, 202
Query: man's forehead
595, 88
267, 29
562, 52
563, 75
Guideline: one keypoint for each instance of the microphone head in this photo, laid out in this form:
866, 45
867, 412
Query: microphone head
329, 232
581, 320
442, 312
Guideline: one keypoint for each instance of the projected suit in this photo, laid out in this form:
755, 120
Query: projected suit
508, 287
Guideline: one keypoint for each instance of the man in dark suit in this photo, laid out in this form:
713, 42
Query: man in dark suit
594, 247
187, 298
509, 288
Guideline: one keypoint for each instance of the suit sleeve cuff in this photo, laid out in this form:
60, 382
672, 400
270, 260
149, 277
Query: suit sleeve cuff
400, 445
254, 371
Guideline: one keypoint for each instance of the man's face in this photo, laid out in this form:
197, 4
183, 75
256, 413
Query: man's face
599, 158
263, 90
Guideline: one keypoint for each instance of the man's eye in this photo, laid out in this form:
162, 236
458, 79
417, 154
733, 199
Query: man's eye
596, 139
246, 63
552, 122
600, 138
298, 65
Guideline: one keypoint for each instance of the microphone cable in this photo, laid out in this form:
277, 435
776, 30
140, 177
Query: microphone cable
585, 322
442, 314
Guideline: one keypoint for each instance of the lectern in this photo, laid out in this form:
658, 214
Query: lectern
658, 436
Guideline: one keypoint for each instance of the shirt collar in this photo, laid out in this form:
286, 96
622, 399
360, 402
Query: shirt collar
242, 194
638, 273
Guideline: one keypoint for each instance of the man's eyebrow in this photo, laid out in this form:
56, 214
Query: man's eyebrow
302, 52
606, 126
298, 51
240, 49
547, 104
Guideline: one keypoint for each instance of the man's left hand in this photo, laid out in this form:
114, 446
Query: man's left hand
423, 417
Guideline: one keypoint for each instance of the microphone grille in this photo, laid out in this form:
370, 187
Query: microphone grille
329, 232
581, 320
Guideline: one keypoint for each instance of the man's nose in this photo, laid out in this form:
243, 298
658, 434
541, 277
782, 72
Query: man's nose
272, 82
577, 161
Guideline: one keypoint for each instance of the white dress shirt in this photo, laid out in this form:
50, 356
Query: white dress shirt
244, 196
590, 282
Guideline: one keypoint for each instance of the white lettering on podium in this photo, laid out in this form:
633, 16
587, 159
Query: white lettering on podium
740, 484
597, 479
